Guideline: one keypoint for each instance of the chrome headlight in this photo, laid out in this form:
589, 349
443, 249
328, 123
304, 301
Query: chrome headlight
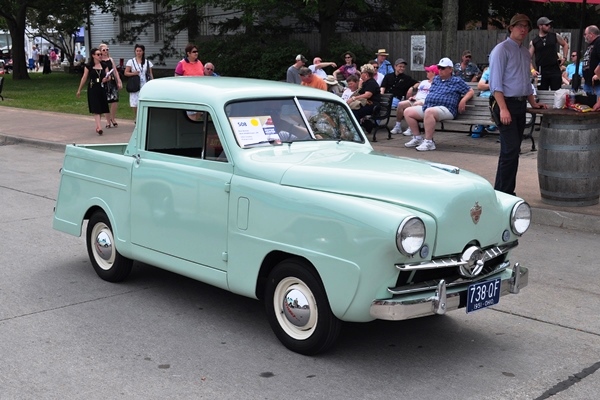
520, 218
410, 236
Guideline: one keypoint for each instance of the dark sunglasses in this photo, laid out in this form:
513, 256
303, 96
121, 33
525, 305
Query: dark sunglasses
442, 67
347, 56
467, 56
194, 51
105, 49
573, 55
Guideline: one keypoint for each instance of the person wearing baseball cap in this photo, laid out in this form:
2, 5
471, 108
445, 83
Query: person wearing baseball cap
510, 87
292, 75
467, 70
448, 95
543, 50
421, 89
311, 80
397, 82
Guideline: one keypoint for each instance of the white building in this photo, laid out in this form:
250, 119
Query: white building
105, 28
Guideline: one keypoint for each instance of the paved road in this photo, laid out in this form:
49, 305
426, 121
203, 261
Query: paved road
66, 334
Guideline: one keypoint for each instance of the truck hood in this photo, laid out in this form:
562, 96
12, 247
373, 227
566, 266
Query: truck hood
447, 197
379, 176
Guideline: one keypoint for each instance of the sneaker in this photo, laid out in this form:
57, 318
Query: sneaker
427, 145
407, 132
397, 129
491, 128
476, 135
477, 129
414, 142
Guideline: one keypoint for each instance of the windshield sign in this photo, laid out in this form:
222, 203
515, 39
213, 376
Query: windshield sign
277, 121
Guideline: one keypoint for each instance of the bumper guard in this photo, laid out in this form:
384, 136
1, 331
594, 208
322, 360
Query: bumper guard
441, 300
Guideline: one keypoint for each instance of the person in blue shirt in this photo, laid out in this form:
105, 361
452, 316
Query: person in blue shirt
570, 71
510, 85
385, 67
467, 70
447, 97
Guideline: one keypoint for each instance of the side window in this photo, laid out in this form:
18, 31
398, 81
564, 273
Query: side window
183, 133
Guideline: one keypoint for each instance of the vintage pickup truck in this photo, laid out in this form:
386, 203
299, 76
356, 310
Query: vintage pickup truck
272, 191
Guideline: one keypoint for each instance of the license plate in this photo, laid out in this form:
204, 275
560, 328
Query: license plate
483, 294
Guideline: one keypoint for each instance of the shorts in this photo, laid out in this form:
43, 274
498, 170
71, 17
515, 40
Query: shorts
442, 112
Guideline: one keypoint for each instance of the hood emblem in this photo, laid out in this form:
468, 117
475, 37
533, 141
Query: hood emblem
476, 212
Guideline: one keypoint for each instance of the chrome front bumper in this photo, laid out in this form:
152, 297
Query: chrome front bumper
442, 299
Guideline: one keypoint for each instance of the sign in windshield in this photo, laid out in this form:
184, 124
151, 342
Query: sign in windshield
276, 121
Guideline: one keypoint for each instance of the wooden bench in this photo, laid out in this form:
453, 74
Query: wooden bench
478, 113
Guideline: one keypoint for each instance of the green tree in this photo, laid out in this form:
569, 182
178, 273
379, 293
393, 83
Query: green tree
49, 12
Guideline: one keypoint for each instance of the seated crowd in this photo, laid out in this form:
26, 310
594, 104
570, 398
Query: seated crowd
439, 97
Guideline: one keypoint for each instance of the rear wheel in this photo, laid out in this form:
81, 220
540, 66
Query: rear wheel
298, 309
108, 263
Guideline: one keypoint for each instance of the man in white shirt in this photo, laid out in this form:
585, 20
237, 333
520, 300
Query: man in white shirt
318, 65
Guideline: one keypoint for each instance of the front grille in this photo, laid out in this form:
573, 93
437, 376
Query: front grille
416, 277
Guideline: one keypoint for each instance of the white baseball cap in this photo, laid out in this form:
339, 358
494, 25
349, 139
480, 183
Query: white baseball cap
445, 62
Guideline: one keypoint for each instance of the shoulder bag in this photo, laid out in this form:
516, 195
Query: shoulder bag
133, 83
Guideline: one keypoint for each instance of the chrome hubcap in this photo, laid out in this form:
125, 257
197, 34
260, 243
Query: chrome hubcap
296, 308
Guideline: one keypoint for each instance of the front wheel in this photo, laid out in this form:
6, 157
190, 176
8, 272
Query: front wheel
108, 263
298, 309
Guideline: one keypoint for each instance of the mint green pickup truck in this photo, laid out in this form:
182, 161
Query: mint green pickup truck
272, 191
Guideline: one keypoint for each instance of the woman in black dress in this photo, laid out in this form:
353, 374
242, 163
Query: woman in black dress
111, 87
95, 76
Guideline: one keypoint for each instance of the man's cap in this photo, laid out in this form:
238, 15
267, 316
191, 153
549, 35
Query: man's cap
400, 61
543, 21
300, 57
330, 80
433, 68
466, 53
304, 71
381, 52
519, 18
445, 62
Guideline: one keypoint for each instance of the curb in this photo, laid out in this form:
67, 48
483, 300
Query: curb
9, 140
566, 220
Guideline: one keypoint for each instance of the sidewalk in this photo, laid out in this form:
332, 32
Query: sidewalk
54, 130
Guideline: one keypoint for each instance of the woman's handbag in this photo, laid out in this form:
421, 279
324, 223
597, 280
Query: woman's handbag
133, 84
112, 91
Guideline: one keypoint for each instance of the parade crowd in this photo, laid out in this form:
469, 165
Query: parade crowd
516, 67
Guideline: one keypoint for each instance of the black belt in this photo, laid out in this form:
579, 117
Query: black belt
519, 98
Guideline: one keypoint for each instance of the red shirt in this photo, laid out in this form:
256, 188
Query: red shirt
187, 68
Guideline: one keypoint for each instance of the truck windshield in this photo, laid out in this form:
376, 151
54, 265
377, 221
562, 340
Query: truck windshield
277, 121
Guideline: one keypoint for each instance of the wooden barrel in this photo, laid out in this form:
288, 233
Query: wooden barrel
569, 159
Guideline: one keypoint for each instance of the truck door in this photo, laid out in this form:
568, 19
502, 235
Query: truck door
180, 188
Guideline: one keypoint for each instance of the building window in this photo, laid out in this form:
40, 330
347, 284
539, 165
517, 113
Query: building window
159, 23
